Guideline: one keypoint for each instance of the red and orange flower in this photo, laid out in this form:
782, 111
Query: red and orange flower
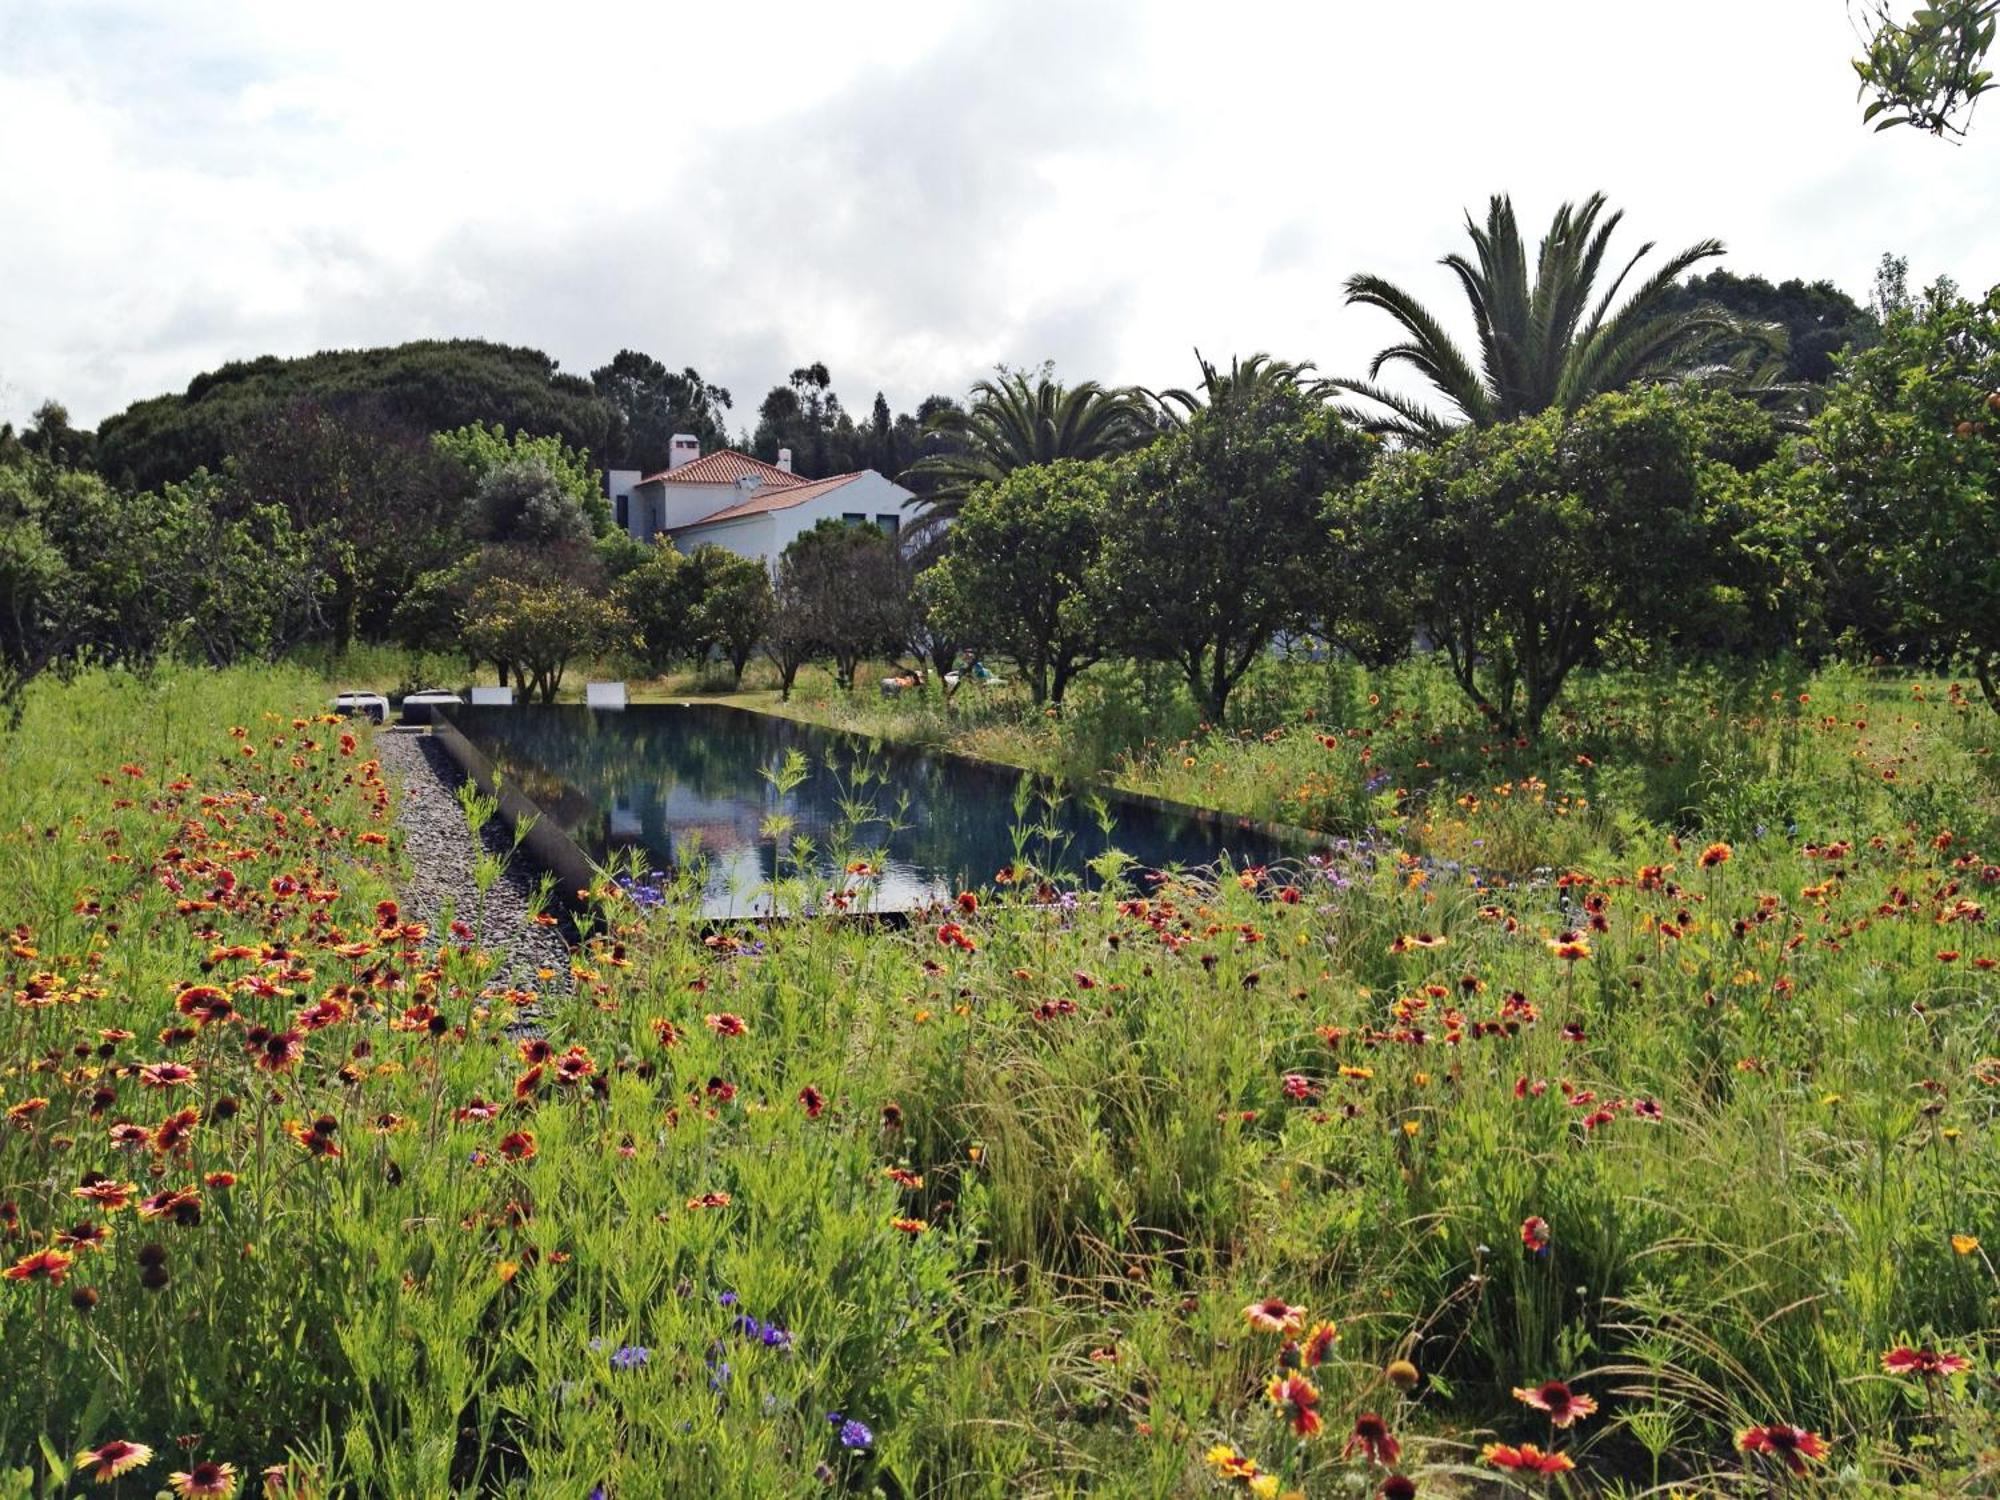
1526, 1459
1794, 1445
108, 1461
1297, 1400
1562, 1404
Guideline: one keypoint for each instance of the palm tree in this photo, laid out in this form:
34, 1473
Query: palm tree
1542, 345
1245, 380
1013, 422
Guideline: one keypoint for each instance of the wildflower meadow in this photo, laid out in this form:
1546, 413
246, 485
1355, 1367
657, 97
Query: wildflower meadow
1519, 1140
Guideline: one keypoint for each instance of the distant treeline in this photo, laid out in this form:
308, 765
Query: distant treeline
621, 415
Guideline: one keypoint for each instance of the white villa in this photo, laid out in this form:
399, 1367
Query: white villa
744, 504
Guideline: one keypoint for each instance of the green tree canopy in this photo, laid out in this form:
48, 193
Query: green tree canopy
1213, 541
1928, 71
479, 449
374, 505
52, 436
1819, 321
852, 591
538, 628
659, 598
1015, 572
415, 389
524, 501
1525, 547
732, 604
87, 572
1909, 457
654, 404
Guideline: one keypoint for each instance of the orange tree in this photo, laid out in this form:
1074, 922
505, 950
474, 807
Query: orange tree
539, 628
1015, 573
1909, 462
1524, 549
1212, 539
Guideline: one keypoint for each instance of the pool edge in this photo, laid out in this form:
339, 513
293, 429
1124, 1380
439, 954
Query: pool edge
576, 873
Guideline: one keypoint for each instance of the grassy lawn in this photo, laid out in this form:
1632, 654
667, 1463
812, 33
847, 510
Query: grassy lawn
1658, 1060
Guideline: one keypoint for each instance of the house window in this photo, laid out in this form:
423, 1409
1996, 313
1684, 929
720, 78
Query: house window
624, 509
853, 518
888, 523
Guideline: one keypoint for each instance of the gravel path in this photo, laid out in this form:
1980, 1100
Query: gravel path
441, 850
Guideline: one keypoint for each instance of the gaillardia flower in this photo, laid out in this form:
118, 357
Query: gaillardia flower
1794, 1445
1275, 1315
1562, 1404
107, 1461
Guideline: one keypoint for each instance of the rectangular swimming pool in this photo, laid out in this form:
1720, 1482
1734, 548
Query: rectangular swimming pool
691, 786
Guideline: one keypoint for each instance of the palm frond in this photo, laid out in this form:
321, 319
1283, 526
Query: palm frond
1537, 348
1408, 420
1455, 377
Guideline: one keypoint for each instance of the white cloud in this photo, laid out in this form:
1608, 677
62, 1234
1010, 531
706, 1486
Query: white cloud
910, 192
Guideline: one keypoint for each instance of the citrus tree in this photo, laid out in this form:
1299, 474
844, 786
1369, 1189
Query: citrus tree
732, 604
1015, 576
847, 592
538, 628
1524, 549
1929, 70
1909, 461
1213, 540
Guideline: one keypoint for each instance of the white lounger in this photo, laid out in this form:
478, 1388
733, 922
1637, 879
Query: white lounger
604, 694
492, 697
418, 707
367, 705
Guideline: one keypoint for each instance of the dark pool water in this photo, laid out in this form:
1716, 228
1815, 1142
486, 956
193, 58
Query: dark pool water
686, 783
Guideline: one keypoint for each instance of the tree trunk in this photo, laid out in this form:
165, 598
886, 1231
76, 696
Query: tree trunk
1986, 668
346, 610
1215, 701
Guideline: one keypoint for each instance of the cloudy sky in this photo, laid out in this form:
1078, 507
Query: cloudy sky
910, 192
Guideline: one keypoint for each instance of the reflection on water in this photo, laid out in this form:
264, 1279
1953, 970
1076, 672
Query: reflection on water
684, 784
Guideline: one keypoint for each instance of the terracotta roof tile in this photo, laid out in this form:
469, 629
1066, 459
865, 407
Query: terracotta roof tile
776, 497
724, 466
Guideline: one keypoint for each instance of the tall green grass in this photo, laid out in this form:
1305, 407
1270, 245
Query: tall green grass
1007, 1186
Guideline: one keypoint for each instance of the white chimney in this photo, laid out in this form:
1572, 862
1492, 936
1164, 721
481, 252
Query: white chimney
785, 459
684, 448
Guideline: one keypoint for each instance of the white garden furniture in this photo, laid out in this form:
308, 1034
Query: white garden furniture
366, 705
419, 708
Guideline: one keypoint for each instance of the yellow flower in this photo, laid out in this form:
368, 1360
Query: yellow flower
1965, 1244
1411, 1127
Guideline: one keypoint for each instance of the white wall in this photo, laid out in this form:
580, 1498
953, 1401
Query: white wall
871, 495
767, 534
748, 536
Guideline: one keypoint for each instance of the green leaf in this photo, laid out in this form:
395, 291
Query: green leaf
59, 1469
